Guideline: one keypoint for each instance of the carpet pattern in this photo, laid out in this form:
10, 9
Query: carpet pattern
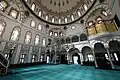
62, 72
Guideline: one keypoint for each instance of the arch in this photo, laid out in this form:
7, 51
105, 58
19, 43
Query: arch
67, 40
99, 48
75, 38
74, 50
114, 49
15, 33
86, 50
62, 41
28, 37
83, 37
87, 55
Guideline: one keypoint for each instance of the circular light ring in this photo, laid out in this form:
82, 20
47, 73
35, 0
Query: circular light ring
61, 24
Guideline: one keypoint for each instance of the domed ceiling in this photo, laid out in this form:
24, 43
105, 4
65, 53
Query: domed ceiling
59, 12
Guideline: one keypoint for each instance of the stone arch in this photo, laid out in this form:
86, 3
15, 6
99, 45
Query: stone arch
67, 40
75, 38
83, 37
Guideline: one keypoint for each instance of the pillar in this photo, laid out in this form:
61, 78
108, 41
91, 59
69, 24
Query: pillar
112, 65
96, 65
17, 54
30, 55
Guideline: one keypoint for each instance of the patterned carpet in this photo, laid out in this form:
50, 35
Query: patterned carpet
62, 72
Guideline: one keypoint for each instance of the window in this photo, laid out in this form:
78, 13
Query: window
26, 0
73, 27
56, 34
22, 58
46, 17
33, 6
90, 23
85, 7
33, 23
40, 13
59, 20
3, 5
78, 12
104, 13
15, 34
60, 34
2, 27
39, 27
6, 55
72, 17
90, 57
33, 58
28, 37
14, 13
44, 42
66, 20
37, 39
51, 33
99, 19
53, 20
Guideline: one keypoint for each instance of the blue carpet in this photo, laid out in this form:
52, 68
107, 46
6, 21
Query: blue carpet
62, 72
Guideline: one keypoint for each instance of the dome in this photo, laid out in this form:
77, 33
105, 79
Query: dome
59, 12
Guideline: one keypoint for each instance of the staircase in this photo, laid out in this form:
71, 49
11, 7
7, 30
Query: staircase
4, 63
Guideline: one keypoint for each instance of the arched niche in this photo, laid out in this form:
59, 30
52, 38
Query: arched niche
75, 38
67, 40
114, 49
83, 37
99, 48
86, 50
102, 57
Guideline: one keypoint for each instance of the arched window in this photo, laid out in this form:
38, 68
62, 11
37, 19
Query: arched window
37, 38
33, 23
83, 37
39, 27
75, 38
33, 6
66, 20
40, 13
15, 34
2, 27
104, 13
28, 37
79, 13
53, 20
72, 17
43, 42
